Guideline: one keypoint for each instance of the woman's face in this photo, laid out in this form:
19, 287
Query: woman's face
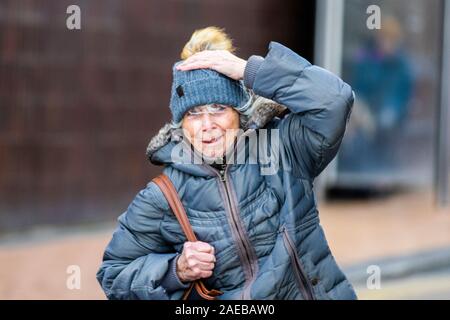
211, 129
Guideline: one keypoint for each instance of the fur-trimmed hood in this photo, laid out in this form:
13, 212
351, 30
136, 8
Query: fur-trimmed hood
263, 110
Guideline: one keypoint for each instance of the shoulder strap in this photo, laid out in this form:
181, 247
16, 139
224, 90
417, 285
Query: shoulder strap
171, 194
175, 204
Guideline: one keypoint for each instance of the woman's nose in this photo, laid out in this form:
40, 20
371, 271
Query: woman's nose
206, 121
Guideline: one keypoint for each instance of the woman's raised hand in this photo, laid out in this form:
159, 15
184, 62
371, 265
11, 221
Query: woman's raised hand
221, 61
196, 261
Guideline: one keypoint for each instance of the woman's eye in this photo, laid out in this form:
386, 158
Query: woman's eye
194, 112
220, 108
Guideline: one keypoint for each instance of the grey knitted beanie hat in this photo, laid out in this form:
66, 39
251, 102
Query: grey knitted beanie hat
204, 86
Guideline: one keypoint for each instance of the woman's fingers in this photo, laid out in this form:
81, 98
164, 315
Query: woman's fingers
195, 65
219, 60
202, 266
200, 58
198, 251
196, 261
199, 246
200, 256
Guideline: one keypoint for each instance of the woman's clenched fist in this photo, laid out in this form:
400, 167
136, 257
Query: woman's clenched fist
196, 261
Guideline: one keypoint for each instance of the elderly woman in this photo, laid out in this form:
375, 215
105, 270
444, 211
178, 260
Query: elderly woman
258, 232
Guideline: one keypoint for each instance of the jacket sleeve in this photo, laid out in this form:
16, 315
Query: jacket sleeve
138, 263
319, 101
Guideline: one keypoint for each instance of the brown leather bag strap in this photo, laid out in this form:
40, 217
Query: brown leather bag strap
174, 201
171, 194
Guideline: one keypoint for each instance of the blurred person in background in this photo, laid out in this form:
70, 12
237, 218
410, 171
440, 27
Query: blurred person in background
259, 234
382, 78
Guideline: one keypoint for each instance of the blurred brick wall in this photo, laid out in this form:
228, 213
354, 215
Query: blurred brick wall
79, 107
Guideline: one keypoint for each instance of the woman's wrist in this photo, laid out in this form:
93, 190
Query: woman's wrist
171, 282
251, 68
179, 264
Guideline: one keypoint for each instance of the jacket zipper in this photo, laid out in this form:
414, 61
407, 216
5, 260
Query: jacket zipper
243, 245
300, 274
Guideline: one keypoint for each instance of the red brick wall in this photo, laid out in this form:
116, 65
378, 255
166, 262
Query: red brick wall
79, 107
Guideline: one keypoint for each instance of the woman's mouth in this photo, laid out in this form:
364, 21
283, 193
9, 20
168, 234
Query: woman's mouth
212, 141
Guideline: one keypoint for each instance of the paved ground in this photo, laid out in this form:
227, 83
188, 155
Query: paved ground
430, 285
37, 269
34, 265
403, 224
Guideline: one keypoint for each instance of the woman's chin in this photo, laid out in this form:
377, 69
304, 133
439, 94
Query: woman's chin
213, 153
